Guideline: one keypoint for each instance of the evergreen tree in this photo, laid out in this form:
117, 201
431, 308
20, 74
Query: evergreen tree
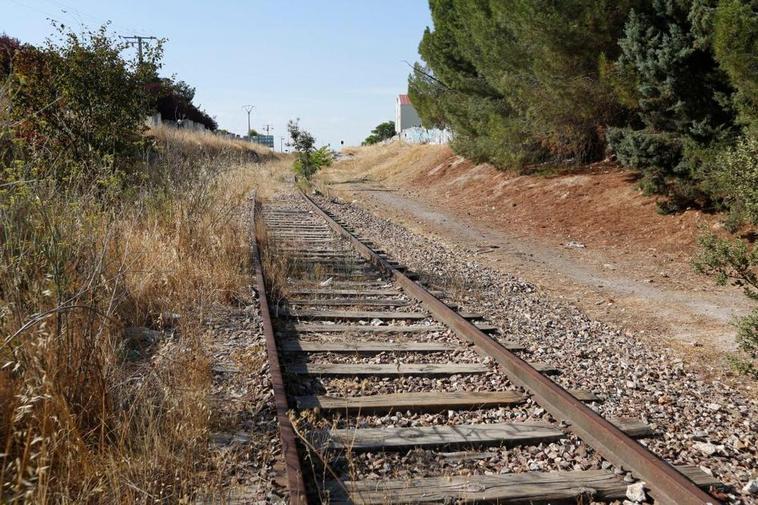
457, 96
685, 111
735, 43
383, 131
669, 84
518, 80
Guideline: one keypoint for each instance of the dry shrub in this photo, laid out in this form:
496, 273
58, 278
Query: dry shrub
8, 403
271, 179
92, 413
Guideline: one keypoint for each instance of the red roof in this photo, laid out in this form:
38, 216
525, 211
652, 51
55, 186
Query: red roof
404, 100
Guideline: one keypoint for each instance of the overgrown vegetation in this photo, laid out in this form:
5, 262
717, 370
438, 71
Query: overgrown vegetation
383, 131
735, 260
114, 247
308, 159
520, 82
74, 110
667, 85
738, 170
174, 100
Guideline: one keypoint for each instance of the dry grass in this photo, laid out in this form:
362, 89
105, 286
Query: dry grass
92, 413
272, 179
189, 141
388, 163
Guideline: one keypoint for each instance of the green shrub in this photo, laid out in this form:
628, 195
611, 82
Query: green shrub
736, 262
729, 260
747, 333
645, 150
79, 109
307, 165
654, 154
322, 157
737, 179
309, 159
383, 131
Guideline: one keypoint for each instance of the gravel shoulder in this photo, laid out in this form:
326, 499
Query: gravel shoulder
591, 238
707, 419
694, 319
245, 448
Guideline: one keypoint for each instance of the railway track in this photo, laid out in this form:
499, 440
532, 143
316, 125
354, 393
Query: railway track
386, 393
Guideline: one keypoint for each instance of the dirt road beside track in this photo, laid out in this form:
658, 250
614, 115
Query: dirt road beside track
632, 269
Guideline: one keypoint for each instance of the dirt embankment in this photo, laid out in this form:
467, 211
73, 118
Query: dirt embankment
591, 236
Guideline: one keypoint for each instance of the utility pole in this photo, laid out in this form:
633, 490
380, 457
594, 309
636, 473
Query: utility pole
268, 128
138, 39
281, 144
248, 109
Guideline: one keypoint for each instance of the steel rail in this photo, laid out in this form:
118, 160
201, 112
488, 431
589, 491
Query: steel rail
287, 435
667, 485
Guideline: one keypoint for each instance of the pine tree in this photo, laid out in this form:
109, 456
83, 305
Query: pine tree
457, 95
685, 110
519, 80
735, 43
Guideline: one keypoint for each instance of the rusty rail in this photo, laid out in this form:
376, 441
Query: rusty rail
667, 485
287, 435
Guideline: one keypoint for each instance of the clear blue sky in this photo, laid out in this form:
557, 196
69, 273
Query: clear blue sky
335, 64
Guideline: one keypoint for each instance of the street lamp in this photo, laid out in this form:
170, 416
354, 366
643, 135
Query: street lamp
248, 109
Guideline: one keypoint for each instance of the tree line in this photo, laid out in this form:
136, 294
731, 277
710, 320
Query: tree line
669, 87
76, 108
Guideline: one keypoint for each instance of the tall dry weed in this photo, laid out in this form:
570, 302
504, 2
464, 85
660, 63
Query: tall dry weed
103, 389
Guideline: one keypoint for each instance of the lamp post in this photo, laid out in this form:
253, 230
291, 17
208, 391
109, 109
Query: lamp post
248, 109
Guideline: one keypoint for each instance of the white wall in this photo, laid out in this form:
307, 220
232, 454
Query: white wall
397, 114
418, 135
409, 117
405, 116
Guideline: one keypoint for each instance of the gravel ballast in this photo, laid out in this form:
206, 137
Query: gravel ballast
703, 421
245, 440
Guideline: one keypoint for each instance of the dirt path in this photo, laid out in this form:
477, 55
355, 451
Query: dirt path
605, 285
636, 377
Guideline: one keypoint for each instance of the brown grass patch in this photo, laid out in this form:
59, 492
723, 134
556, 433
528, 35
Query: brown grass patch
189, 141
599, 205
92, 413
393, 163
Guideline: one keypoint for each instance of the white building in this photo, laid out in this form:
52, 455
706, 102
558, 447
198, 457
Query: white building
405, 115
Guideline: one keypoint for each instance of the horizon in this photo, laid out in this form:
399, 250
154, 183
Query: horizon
352, 56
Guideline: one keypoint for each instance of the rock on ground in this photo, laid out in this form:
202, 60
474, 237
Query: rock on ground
639, 380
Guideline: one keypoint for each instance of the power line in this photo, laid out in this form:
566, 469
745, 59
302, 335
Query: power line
139, 39
99, 20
